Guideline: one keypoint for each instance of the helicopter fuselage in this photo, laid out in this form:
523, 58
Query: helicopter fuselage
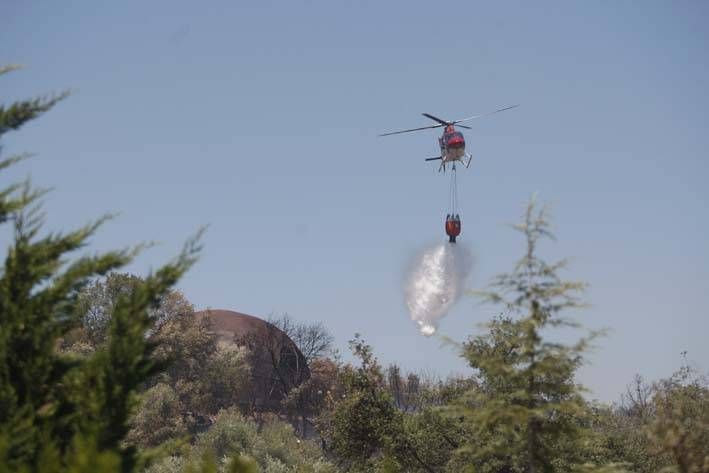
452, 145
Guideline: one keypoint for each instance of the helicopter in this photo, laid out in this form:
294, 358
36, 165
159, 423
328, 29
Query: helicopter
452, 142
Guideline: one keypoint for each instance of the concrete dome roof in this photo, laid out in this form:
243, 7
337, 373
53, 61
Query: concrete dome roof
277, 365
228, 323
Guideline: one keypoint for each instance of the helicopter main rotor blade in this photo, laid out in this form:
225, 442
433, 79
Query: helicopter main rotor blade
465, 126
410, 130
436, 119
483, 115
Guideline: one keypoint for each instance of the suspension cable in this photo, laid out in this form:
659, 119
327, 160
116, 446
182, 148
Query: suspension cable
453, 193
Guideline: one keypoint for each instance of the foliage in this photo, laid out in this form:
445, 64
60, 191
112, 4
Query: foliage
13, 116
527, 413
97, 302
206, 375
366, 431
207, 464
356, 428
275, 447
680, 427
58, 411
434, 437
314, 396
190, 345
158, 418
663, 427
621, 432
200, 377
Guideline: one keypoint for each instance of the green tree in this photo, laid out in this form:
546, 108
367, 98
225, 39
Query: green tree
98, 299
366, 431
97, 302
59, 411
663, 427
622, 431
273, 446
200, 378
357, 428
526, 415
158, 419
680, 427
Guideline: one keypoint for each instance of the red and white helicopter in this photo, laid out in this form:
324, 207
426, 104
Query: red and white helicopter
451, 142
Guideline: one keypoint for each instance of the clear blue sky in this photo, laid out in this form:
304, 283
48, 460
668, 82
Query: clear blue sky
260, 119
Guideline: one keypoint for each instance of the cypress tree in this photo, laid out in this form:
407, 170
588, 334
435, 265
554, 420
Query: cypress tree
525, 413
60, 412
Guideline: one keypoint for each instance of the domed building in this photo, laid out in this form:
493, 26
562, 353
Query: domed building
277, 365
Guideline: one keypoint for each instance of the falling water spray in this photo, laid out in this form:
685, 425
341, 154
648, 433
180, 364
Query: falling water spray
435, 282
